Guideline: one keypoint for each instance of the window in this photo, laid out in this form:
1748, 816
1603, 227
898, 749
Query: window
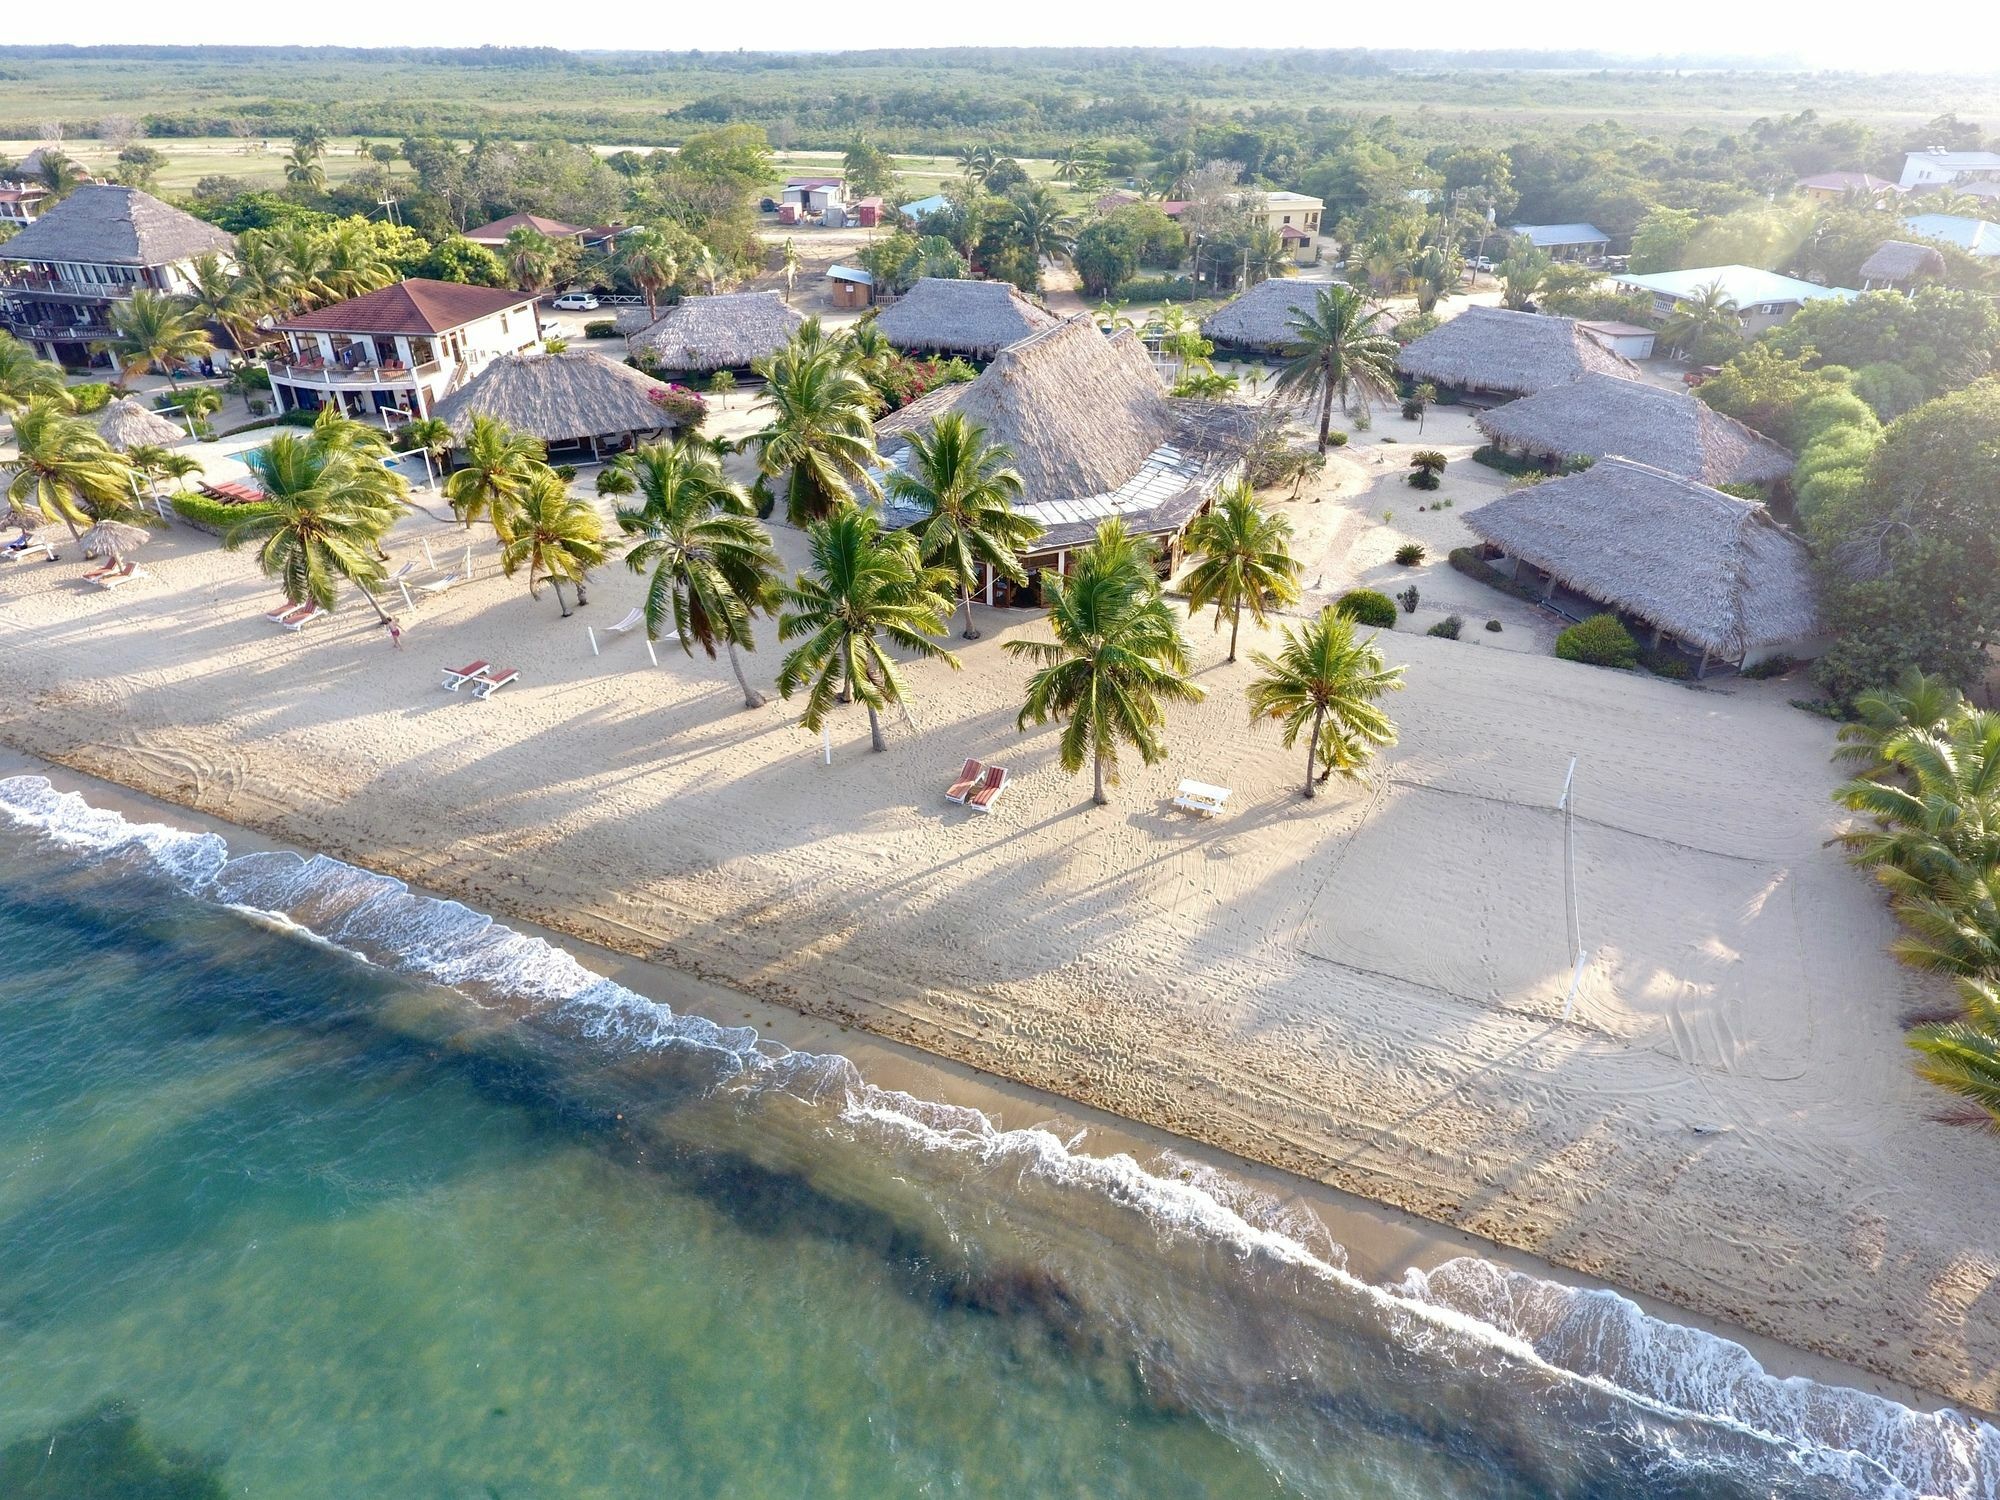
503, 325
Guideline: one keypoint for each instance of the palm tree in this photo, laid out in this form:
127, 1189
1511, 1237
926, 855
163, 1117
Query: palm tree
966, 487
1075, 162
820, 434
1694, 321
1118, 658
151, 328
791, 267
353, 263
865, 586
558, 535
263, 273
497, 464
1324, 684
1436, 272
302, 170
1522, 275
180, 467
1964, 1055
647, 257
310, 140
23, 377
978, 163
1040, 225
1337, 349
713, 567
59, 174
530, 258
63, 468
321, 525
1246, 560
1916, 701
199, 403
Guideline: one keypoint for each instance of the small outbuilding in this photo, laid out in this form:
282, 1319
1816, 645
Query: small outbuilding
725, 332
1261, 319
1595, 416
973, 318
850, 286
1488, 352
1626, 340
1584, 242
936, 203
1715, 573
1899, 266
574, 400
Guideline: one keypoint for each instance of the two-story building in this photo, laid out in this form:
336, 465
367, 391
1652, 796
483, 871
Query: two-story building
21, 202
400, 349
1925, 170
62, 274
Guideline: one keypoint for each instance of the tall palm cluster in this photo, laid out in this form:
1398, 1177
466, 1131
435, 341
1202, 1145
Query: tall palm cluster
1929, 786
62, 469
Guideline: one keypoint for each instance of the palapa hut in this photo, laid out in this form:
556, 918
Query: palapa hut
973, 318
1093, 435
1898, 265
126, 425
1715, 573
575, 399
1489, 351
726, 332
1261, 319
1597, 415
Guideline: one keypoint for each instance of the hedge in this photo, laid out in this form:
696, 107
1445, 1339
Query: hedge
1599, 641
1468, 561
1367, 608
213, 516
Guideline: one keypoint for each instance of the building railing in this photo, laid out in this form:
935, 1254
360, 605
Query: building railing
333, 373
34, 283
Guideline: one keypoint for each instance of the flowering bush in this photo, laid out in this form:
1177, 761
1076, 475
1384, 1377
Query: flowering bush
684, 408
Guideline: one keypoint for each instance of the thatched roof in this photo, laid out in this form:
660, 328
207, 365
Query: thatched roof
1898, 261
1262, 317
118, 226
127, 425
558, 398
1600, 415
1712, 570
725, 332
1492, 349
979, 318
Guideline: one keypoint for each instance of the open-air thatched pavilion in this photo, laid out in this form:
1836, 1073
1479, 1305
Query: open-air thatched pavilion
1597, 415
1898, 265
726, 332
126, 425
973, 318
575, 399
1093, 435
1488, 352
1261, 319
1715, 573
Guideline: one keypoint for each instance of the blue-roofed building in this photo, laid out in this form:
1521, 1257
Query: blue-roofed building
850, 286
1973, 236
1763, 299
936, 203
1566, 241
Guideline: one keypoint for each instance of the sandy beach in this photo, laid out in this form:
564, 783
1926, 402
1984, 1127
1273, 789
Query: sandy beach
1366, 989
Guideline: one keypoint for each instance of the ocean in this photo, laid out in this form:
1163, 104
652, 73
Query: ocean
311, 1185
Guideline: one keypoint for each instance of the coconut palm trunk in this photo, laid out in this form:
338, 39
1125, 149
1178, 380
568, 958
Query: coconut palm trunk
1235, 624
375, 603
751, 697
1325, 416
965, 602
1098, 794
1312, 751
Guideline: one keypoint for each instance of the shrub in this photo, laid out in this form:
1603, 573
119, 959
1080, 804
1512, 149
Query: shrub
554, 346
1157, 289
1665, 663
257, 406
92, 395
1599, 641
1494, 626
722, 382
1413, 409
1468, 561
1363, 420
1336, 440
565, 472
683, 408
214, 516
1410, 554
1367, 607
1408, 599
1423, 479
1506, 463
1770, 666
601, 328
1448, 627
298, 416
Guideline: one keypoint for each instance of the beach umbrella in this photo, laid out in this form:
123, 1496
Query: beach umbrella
21, 518
126, 425
115, 538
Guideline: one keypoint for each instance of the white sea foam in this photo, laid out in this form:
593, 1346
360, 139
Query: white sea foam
1866, 1443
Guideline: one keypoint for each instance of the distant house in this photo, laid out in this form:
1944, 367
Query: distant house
1935, 169
575, 400
867, 212
1294, 218
1627, 340
973, 318
399, 349
1898, 265
65, 271
1599, 416
1832, 187
850, 286
1973, 236
1488, 351
1584, 242
494, 235
21, 202
1261, 319
705, 334
1763, 299
1714, 572
937, 203
812, 194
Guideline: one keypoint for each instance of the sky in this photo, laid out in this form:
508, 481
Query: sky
1836, 35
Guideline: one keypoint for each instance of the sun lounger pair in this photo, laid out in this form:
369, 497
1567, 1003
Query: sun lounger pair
295, 616
978, 787
484, 680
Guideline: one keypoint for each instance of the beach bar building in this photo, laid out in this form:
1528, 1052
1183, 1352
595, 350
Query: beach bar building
1260, 320
401, 349
729, 331
1595, 416
1094, 436
576, 401
976, 319
1710, 572
1488, 353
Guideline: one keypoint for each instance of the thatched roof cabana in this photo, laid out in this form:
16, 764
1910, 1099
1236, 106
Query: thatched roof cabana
126, 425
1092, 431
1714, 571
572, 397
1599, 415
1489, 349
725, 332
975, 318
1262, 317
1899, 263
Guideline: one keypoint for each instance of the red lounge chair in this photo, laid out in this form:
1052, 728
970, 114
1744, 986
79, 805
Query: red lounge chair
492, 682
283, 613
457, 677
967, 780
989, 791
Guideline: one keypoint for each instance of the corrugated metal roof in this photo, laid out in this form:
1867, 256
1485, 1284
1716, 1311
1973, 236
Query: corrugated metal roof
1746, 286
1541, 236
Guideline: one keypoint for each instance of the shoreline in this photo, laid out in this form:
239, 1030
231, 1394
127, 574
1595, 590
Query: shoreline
1380, 1239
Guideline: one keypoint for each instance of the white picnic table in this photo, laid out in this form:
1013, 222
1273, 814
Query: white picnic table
1200, 797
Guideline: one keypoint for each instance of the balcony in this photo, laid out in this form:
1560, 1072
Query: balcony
40, 284
25, 326
350, 377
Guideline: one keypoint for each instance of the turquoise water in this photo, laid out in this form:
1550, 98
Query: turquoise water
277, 1221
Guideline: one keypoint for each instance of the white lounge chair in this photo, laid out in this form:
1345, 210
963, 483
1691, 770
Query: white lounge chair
302, 618
1200, 797
120, 575
20, 551
495, 680
457, 677
284, 612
